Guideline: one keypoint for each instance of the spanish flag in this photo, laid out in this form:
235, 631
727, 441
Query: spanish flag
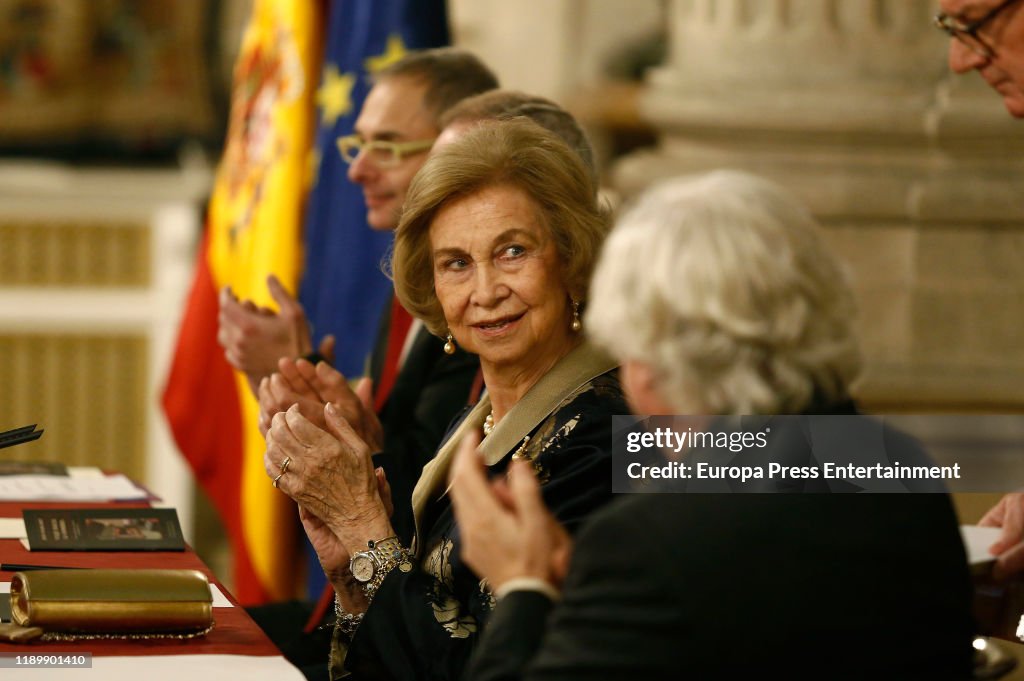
253, 229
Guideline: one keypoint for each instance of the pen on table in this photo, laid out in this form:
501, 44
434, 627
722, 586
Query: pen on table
18, 567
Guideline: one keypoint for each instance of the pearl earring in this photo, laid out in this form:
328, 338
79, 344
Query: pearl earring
449, 345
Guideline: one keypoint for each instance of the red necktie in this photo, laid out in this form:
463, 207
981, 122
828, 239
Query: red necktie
397, 331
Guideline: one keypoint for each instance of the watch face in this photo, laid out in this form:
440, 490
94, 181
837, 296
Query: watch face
361, 567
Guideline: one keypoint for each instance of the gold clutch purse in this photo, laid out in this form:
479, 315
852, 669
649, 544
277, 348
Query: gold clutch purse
67, 604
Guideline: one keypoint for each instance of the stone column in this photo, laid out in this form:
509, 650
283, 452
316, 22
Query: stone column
918, 175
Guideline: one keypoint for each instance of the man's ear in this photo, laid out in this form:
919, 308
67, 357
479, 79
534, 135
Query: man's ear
640, 384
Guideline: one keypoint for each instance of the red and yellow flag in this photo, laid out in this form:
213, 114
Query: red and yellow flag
254, 229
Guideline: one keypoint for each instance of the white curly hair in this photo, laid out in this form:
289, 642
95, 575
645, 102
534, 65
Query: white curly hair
721, 284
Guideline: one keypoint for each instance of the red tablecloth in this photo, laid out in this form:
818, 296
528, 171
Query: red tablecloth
234, 632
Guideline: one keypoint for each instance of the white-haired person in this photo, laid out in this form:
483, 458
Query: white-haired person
719, 297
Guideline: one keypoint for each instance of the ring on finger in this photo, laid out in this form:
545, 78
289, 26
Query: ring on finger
278, 479
284, 464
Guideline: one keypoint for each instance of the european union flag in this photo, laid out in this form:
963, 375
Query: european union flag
343, 289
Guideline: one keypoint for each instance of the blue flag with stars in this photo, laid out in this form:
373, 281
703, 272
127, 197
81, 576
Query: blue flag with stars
343, 289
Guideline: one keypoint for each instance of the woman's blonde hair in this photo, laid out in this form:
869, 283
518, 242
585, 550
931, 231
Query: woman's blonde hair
722, 284
516, 153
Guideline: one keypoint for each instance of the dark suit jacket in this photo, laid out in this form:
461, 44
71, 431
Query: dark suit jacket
429, 391
721, 586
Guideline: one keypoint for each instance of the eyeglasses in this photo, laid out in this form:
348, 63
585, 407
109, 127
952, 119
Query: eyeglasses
382, 153
967, 33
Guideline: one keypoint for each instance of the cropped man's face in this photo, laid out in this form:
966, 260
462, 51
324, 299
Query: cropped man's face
393, 112
995, 49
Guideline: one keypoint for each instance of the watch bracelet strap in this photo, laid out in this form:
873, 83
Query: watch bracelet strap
389, 554
386, 546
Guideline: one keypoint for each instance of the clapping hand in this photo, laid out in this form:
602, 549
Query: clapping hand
343, 500
298, 382
254, 338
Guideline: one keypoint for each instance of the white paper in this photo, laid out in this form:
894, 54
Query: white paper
977, 540
59, 488
173, 668
219, 599
12, 528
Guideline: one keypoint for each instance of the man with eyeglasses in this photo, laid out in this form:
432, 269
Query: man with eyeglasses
988, 36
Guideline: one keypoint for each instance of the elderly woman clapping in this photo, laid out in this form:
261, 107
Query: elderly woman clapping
496, 244
719, 296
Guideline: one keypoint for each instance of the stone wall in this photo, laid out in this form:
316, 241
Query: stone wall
917, 175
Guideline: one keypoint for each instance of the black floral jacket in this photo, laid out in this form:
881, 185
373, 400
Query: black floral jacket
423, 624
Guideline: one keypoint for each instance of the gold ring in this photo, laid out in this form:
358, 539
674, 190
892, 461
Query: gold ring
284, 464
278, 478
